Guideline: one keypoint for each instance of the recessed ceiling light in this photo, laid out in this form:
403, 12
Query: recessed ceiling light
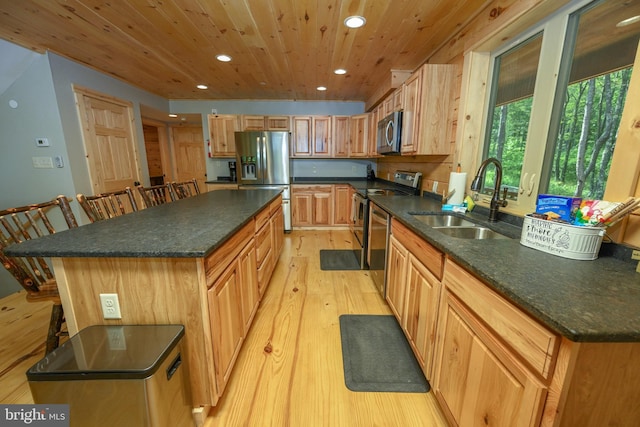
203, 87
628, 21
223, 58
355, 21
340, 71
173, 115
321, 88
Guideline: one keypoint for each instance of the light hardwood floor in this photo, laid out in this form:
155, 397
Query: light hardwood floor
289, 371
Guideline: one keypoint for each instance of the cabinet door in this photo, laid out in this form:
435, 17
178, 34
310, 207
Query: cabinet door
372, 138
301, 137
277, 228
321, 136
221, 135
322, 208
437, 97
301, 208
278, 123
475, 384
342, 205
423, 296
411, 115
252, 123
249, 295
340, 136
227, 326
396, 278
359, 133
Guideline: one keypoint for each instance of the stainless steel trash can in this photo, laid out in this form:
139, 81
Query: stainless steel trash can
128, 375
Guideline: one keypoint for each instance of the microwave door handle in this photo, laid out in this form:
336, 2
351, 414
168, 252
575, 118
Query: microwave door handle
388, 133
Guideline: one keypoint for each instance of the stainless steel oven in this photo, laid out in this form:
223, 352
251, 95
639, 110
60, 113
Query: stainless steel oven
377, 248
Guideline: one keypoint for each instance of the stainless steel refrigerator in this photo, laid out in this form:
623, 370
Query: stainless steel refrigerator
262, 160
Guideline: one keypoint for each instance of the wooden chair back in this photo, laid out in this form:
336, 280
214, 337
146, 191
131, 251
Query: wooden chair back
156, 194
185, 189
34, 273
108, 205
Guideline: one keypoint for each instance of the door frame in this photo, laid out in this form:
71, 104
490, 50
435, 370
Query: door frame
165, 149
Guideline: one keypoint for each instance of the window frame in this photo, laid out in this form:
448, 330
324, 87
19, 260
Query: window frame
549, 80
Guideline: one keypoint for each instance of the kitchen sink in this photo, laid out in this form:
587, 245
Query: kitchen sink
475, 232
443, 220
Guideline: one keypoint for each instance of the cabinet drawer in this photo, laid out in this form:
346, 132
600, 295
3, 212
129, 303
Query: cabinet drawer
216, 262
263, 243
275, 205
262, 218
431, 257
535, 344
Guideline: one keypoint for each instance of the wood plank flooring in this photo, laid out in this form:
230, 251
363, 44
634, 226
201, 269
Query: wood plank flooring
289, 371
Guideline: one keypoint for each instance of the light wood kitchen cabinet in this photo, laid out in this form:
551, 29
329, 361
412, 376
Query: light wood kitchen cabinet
428, 110
342, 204
268, 123
396, 278
252, 122
358, 135
340, 135
372, 137
249, 293
264, 252
277, 123
311, 205
277, 228
489, 349
222, 141
227, 325
413, 290
311, 136
215, 187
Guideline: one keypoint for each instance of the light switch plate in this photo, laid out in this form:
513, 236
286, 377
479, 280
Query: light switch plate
42, 142
42, 162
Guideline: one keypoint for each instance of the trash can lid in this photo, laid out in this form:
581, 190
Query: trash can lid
109, 352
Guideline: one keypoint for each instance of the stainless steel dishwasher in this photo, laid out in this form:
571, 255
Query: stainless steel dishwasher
377, 251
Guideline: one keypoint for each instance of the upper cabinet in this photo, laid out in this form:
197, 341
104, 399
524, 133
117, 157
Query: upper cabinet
221, 134
429, 100
358, 135
272, 123
340, 135
311, 136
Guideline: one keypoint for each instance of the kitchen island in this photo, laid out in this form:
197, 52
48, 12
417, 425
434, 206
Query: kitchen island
202, 262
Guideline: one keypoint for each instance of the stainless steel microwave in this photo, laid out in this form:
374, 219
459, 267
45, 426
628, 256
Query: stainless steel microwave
390, 133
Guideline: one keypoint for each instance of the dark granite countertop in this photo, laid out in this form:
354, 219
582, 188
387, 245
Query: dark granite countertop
191, 227
587, 301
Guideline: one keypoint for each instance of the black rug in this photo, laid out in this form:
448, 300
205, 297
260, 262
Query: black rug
377, 356
339, 259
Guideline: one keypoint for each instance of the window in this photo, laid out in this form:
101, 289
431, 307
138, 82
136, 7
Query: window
555, 132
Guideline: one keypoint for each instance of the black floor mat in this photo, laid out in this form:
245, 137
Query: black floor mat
339, 259
377, 356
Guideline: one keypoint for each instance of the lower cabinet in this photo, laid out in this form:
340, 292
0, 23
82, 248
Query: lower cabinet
312, 205
494, 363
227, 325
413, 291
478, 382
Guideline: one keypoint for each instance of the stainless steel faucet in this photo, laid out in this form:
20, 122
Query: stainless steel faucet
496, 203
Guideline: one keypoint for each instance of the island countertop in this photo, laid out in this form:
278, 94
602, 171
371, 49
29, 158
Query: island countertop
188, 228
585, 301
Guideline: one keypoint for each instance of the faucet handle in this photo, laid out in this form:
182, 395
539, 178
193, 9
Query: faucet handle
504, 201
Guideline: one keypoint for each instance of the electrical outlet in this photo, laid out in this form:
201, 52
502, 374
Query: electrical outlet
110, 306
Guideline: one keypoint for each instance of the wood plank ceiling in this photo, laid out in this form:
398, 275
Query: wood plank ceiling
281, 49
